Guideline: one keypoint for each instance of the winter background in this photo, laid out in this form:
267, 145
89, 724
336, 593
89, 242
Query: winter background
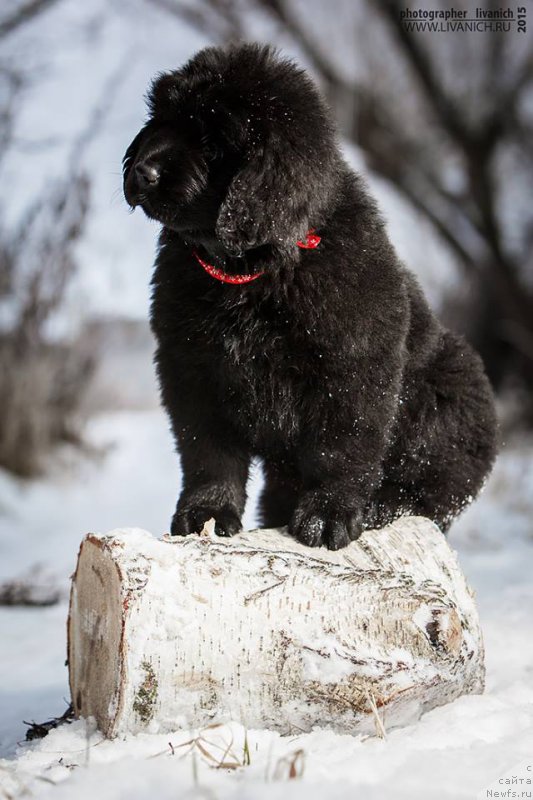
441, 124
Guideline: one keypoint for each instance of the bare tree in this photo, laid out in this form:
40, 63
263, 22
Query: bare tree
23, 13
45, 377
478, 133
419, 116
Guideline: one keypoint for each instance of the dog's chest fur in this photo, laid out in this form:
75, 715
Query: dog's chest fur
263, 374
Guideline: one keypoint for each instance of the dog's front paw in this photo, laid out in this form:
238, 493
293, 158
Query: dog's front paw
316, 524
192, 520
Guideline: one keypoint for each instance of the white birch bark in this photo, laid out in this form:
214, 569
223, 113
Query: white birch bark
185, 632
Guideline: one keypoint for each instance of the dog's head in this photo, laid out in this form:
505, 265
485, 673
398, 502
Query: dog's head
239, 151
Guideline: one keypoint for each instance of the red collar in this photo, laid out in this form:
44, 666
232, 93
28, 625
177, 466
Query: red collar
312, 240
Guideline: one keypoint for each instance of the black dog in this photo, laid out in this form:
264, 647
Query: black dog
287, 328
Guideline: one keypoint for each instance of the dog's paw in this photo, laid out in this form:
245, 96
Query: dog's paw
316, 525
192, 520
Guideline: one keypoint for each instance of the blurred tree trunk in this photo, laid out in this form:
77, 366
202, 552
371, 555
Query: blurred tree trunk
21, 13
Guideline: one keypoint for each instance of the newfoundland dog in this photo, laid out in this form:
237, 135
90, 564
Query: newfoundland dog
287, 328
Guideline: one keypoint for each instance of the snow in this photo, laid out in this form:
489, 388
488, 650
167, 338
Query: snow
452, 752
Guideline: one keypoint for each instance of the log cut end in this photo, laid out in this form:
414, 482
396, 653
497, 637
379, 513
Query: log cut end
186, 631
95, 632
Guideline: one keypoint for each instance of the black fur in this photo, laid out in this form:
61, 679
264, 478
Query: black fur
330, 367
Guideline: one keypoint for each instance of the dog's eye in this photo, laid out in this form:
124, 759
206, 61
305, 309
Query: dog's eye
213, 152
211, 149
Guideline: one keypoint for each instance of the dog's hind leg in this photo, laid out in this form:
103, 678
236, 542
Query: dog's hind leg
446, 441
279, 496
392, 500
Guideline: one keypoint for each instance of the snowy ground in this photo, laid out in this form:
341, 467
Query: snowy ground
453, 752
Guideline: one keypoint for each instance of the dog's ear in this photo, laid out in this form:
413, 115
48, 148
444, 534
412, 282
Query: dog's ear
163, 94
269, 201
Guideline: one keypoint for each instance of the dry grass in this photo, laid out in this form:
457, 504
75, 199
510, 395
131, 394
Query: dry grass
217, 755
290, 767
41, 400
380, 727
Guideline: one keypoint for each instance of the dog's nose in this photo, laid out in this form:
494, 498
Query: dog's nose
147, 174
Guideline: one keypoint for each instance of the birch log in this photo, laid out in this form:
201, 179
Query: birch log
184, 632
